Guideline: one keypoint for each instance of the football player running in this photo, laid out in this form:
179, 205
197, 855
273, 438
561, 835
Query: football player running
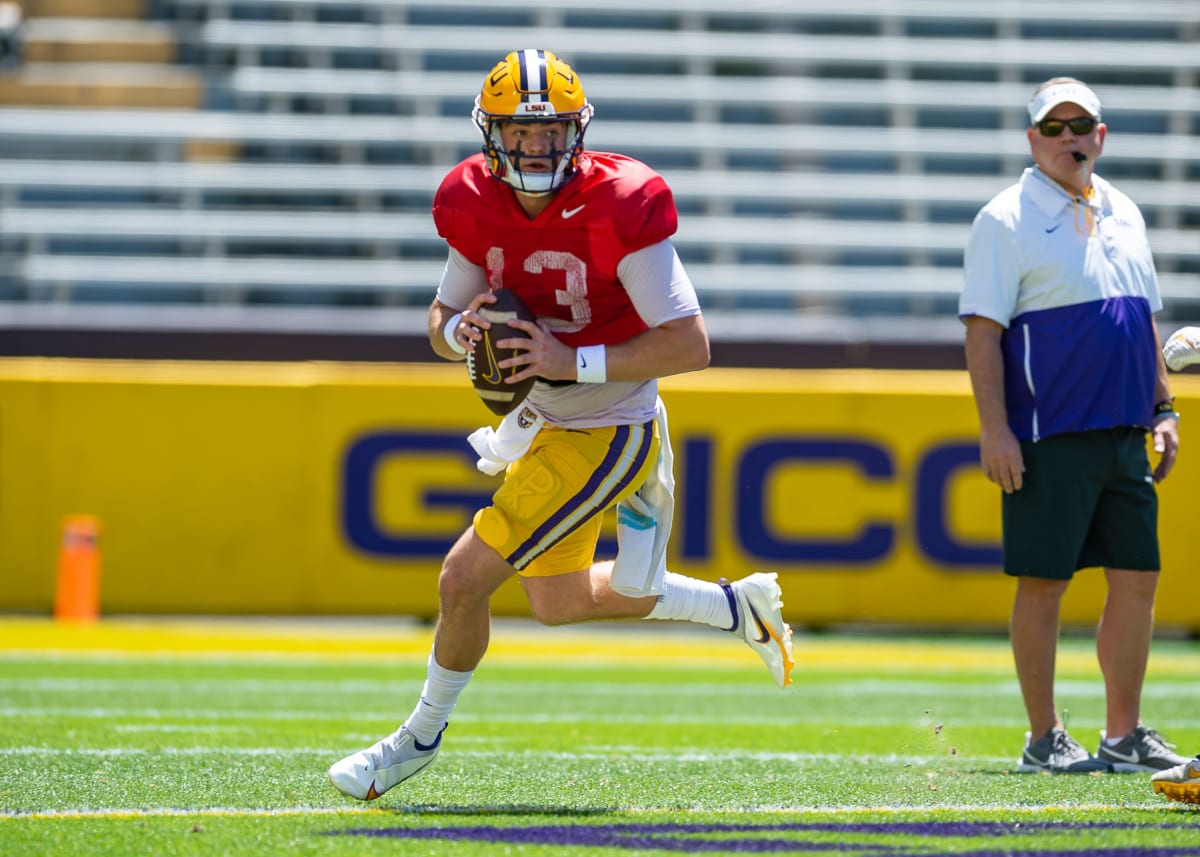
1182, 782
584, 239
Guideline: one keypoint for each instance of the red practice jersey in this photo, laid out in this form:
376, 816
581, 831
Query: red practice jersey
562, 263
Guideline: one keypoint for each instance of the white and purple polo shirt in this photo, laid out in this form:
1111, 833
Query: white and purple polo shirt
1074, 285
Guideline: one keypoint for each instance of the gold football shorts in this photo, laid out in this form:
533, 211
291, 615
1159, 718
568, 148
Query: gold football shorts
545, 519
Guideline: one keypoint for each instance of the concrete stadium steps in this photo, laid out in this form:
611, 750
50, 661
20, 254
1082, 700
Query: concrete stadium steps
98, 61
98, 40
127, 9
102, 85
827, 156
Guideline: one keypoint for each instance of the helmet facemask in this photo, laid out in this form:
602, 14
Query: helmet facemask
532, 86
506, 165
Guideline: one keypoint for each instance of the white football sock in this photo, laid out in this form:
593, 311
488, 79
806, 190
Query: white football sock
438, 697
690, 600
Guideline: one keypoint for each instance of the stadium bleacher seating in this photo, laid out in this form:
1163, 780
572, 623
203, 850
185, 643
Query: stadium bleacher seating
827, 156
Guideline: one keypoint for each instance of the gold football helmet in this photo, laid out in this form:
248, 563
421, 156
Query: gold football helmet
531, 86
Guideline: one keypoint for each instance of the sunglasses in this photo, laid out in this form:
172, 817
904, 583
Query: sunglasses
1080, 126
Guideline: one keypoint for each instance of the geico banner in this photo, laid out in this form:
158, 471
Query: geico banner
330, 488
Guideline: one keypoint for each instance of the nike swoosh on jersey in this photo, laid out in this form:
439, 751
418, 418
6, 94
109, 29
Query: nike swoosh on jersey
571, 212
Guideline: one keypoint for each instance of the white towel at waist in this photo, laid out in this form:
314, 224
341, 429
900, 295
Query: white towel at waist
644, 524
499, 447
643, 519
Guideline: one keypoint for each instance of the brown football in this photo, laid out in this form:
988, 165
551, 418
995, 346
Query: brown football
483, 363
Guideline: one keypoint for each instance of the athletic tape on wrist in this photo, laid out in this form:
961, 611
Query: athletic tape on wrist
591, 364
448, 332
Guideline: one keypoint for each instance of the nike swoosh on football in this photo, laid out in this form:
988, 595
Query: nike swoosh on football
763, 634
492, 374
571, 212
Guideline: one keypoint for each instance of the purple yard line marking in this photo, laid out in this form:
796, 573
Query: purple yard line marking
684, 837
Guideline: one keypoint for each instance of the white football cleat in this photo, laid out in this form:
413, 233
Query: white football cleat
1182, 348
757, 604
1181, 783
367, 774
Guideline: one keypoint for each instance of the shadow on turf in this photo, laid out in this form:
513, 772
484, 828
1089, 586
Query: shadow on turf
884, 839
516, 810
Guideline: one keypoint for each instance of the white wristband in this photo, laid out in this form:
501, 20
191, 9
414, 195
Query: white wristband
448, 332
591, 364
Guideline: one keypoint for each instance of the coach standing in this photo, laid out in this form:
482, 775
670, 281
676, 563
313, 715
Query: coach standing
1063, 354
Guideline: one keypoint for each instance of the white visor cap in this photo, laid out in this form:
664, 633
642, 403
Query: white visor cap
1060, 93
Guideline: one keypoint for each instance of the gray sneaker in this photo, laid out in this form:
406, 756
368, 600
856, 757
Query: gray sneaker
1056, 752
1143, 751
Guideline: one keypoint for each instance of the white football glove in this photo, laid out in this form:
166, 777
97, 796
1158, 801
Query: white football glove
1182, 348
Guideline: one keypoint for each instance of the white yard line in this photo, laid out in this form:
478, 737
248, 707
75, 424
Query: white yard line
785, 719
593, 754
766, 811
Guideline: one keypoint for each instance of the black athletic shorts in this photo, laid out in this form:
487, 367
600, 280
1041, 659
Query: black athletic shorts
1087, 500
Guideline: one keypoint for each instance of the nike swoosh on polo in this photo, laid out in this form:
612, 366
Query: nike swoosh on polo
571, 212
1053, 228
763, 634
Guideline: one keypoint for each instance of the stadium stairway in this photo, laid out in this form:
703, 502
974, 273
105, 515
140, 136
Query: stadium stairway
266, 166
97, 53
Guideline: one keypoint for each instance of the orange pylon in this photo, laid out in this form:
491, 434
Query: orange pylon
77, 596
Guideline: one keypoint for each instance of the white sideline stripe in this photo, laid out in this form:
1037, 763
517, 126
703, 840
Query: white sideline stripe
533, 690
790, 719
822, 810
598, 754
166, 812
139, 728
527, 689
209, 657
574, 651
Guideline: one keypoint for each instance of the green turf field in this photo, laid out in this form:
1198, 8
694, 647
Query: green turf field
161, 737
